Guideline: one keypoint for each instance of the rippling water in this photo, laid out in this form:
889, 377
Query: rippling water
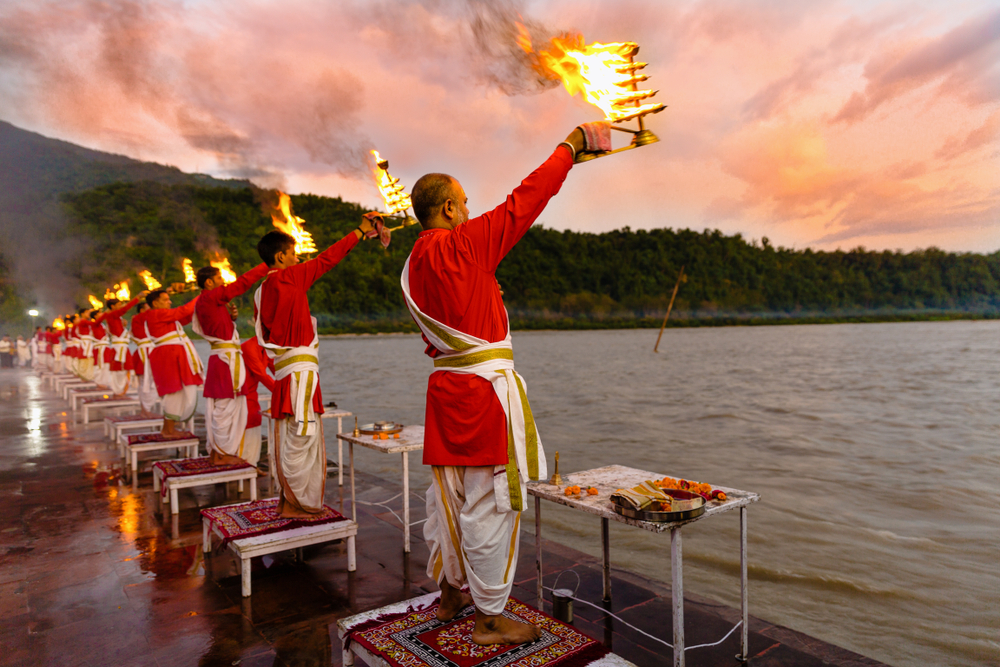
875, 449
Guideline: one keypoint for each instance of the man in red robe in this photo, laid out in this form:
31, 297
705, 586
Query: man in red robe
146, 387
479, 434
174, 361
85, 350
287, 330
117, 361
226, 405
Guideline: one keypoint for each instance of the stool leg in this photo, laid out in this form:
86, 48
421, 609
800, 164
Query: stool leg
206, 537
239, 486
348, 658
173, 500
245, 569
352, 561
253, 489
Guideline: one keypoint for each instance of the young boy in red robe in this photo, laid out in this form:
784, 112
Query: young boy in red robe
287, 330
175, 363
117, 359
145, 384
226, 405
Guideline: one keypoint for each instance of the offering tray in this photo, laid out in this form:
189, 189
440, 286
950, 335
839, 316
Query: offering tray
686, 505
377, 428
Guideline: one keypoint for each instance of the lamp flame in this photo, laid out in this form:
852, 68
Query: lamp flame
395, 198
222, 264
291, 224
95, 302
58, 324
151, 282
604, 74
109, 293
189, 276
122, 292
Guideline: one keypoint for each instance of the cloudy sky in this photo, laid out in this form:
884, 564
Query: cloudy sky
823, 124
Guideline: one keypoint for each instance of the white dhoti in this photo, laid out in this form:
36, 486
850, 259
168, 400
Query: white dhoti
250, 446
102, 369
85, 368
226, 423
180, 405
148, 396
301, 464
470, 541
118, 381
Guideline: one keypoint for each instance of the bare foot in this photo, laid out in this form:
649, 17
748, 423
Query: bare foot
168, 430
502, 630
453, 600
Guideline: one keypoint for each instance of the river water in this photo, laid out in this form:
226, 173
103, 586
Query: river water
875, 449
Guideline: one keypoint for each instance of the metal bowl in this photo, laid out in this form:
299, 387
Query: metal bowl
376, 428
684, 506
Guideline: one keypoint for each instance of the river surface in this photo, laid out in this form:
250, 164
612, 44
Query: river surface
875, 449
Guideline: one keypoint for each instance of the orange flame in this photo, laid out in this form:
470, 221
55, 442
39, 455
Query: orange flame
392, 192
292, 225
95, 302
109, 293
604, 74
119, 291
222, 264
189, 276
151, 282
58, 324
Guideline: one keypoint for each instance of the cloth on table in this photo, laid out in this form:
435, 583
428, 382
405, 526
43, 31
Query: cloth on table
261, 517
188, 467
143, 438
415, 637
642, 496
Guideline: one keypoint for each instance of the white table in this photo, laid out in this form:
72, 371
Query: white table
611, 478
76, 397
339, 416
188, 445
171, 485
293, 538
345, 625
59, 381
76, 386
107, 404
114, 427
411, 439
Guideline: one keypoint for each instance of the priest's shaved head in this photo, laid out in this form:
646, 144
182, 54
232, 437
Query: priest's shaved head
429, 194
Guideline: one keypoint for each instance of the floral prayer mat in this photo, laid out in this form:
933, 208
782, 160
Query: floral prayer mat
108, 399
418, 639
143, 438
188, 467
261, 518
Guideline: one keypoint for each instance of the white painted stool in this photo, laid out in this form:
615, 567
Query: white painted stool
172, 485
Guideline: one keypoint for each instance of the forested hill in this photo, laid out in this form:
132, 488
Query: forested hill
550, 279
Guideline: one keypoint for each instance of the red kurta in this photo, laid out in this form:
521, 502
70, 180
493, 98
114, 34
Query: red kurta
169, 363
452, 280
138, 328
257, 365
285, 318
113, 321
215, 321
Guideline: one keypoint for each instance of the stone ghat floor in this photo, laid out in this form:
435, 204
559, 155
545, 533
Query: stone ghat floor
92, 574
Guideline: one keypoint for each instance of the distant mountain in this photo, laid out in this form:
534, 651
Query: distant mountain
35, 171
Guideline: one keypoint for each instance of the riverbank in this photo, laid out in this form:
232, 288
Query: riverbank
91, 574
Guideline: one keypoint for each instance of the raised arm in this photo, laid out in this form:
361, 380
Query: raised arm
242, 284
306, 273
492, 235
180, 314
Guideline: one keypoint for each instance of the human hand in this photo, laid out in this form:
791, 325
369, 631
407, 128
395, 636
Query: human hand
365, 227
576, 140
234, 310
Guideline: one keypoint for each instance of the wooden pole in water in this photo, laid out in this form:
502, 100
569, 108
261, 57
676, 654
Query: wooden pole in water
670, 307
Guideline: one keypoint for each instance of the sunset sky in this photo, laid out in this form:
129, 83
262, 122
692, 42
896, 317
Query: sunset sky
817, 124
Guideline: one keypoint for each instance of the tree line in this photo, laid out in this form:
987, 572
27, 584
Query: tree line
551, 279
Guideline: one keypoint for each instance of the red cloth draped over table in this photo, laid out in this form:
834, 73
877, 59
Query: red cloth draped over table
197, 466
452, 279
261, 518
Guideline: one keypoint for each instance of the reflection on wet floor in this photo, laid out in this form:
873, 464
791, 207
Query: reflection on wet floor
91, 572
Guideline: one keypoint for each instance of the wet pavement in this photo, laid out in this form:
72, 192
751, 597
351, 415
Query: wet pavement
92, 573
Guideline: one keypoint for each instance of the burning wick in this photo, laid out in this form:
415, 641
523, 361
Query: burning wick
189, 276
95, 302
151, 282
119, 291
292, 225
606, 75
58, 324
393, 194
222, 264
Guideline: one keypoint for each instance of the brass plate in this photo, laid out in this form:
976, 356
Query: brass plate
377, 428
687, 505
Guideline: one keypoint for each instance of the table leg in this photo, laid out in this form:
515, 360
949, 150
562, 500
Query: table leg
239, 486
606, 544
677, 594
340, 453
86, 414
744, 592
135, 469
347, 658
173, 500
253, 489
354, 506
245, 576
406, 502
206, 537
538, 552
352, 559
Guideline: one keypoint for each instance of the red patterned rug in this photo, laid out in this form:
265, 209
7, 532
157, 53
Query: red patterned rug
188, 467
157, 437
261, 518
417, 638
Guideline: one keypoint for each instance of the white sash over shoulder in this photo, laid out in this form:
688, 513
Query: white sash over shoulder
228, 351
494, 362
178, 337
303, 362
